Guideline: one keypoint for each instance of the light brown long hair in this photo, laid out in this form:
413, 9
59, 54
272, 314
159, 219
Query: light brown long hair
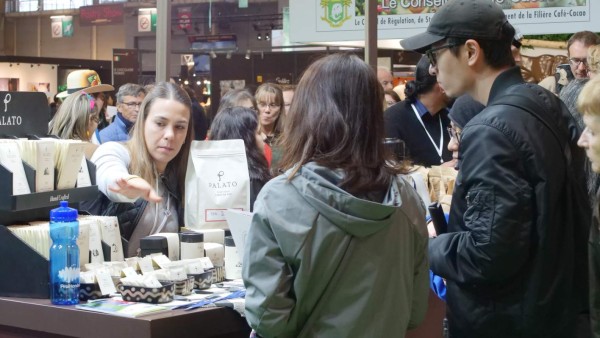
142, 163
336, 120
72, 119
272, 89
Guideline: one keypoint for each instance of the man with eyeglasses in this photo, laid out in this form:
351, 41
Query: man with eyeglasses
514, 256
577, 48
129, 100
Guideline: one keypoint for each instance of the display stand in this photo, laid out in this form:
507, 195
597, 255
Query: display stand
24, 271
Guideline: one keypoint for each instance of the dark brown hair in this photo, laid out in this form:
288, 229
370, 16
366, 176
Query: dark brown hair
242, 123
586, 37
336, 120
393, 94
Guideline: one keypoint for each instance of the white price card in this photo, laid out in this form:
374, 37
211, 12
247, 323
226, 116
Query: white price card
128, 272
146, 265
105, 282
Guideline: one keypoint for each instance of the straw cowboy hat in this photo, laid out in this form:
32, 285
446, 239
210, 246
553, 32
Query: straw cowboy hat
84, 79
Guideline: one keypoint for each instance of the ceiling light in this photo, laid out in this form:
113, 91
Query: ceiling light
267, 36
259, 37
248, 54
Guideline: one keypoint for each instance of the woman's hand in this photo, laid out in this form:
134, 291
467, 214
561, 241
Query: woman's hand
135, 187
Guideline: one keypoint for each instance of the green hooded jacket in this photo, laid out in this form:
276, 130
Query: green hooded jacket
320, 262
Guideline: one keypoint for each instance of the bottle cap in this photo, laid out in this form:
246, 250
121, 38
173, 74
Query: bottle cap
153, 242
229, 241
63, 213
191, 237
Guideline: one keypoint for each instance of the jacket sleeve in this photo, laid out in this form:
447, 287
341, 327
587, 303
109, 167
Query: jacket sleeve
267, 277
498, 220
111, 160
420, 292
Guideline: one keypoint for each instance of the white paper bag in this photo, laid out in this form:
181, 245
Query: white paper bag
217, 179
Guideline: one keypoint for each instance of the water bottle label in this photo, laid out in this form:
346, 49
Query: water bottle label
69, 286
69, 275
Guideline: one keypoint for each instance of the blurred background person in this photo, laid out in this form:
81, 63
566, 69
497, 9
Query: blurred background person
102, 101
288, 95
269, 99
385, 78
589, 105
142, 180
243, 98
515, 47
391, 98
593, 61
318, 252
462, 111
242, 123
200, 122
129, 100
577, 51
238, 98
76, 119
421, 120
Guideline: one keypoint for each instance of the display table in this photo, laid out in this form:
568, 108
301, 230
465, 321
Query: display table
24, 317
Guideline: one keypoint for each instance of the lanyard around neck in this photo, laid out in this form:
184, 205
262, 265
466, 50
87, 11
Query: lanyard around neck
437, 148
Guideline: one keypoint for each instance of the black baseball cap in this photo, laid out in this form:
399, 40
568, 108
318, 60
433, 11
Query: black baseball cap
469, 19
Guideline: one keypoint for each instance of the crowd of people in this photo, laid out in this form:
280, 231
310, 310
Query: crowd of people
338, 245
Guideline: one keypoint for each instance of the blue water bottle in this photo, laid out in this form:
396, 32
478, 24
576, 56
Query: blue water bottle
64, 255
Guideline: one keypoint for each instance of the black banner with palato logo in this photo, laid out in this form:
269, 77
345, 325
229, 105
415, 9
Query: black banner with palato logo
125, 66
23, 113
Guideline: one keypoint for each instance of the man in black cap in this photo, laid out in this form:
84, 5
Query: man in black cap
515, 254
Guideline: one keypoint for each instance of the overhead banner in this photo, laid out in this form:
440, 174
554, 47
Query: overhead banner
109, 14
344, 20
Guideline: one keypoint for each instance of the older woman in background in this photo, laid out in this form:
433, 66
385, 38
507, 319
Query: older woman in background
76, 119
142, 180
269, 99
339, 237
589, 105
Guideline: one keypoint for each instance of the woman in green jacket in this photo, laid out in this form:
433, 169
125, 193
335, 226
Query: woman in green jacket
338, 243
